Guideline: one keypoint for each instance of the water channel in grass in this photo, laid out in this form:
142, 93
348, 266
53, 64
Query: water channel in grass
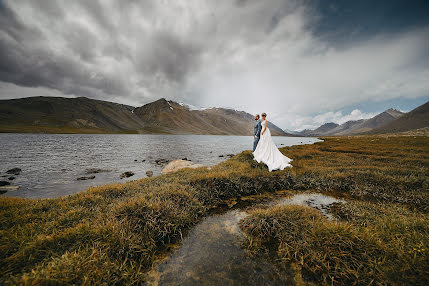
213, 254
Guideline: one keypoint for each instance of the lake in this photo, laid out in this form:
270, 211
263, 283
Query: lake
51, 163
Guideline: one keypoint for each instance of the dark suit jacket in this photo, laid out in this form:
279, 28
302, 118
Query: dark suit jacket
257, 129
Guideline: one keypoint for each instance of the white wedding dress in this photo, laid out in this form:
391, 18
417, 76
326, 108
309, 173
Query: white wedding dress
268, 153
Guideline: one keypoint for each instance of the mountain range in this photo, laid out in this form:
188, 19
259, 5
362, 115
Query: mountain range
389, 121
84, 115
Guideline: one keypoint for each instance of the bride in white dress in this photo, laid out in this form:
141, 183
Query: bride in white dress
267, 152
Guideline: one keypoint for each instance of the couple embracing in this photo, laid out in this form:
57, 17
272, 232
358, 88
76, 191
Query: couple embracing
264, 149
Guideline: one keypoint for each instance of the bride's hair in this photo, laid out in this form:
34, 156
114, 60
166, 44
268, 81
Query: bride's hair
264, 114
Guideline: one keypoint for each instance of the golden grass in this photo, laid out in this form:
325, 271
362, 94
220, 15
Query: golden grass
389, 249
112, 234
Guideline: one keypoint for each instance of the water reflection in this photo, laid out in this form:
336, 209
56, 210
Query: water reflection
212, 253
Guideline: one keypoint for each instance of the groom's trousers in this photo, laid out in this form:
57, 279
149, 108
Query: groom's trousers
255, 143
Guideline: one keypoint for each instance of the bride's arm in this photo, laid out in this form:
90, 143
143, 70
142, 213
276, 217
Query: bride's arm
265, 127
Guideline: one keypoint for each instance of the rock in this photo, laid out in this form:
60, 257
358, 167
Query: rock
14, 171
4, 189
162, 161
221, 156
95, 171
11, 178
126, 174
4, 183
86, 178
176, 165
143, 160
149, 173
185, 159
230, 155
135, 160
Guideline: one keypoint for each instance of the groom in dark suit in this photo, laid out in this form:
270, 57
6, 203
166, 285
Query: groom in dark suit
256, 131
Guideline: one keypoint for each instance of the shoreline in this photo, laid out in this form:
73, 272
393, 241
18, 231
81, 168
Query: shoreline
127, 226
172, 134
52, 163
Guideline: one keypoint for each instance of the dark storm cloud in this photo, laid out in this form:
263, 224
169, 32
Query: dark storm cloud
84, 48
26, 60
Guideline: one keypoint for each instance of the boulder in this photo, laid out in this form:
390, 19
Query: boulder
85, 178
11, 178
14, 171
149, 173
176, 165
4, 183
126, 174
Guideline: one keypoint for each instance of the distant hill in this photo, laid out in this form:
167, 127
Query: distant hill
355, 127
172, 117
346, 128
84, 115
415, 119
365, 125
66, 115
378, 121
326, 127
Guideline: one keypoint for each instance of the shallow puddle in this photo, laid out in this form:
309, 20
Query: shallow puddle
212, 252
315, 200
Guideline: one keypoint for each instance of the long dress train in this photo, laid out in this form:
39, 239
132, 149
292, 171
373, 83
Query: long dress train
268, 153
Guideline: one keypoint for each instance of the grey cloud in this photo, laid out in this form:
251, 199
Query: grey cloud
49, 8
247, 54
169, 55
93, 39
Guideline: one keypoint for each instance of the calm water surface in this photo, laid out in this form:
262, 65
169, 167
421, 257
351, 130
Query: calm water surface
213, 254
51, 163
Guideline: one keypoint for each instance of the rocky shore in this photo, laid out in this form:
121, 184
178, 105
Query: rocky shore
7, 185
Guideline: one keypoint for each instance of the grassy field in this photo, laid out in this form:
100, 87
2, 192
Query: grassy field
112, 234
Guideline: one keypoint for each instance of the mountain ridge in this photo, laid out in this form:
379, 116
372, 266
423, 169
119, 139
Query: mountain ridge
415, 119
388, 121
83, 115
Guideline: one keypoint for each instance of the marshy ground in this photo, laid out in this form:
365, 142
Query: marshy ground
114, 233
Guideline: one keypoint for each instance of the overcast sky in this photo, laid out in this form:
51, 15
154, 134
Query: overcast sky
303, 62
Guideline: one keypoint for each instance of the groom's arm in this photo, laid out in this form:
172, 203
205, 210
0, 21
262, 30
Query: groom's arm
258, 132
